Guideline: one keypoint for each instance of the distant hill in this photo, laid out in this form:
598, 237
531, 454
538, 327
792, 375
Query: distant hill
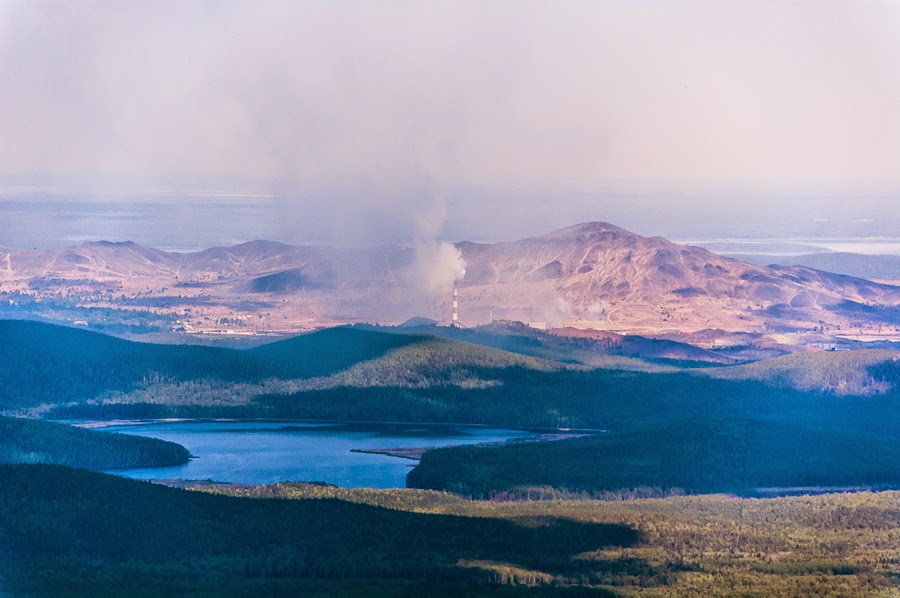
44, 364
570, 345
609, 277
437, 362
103, 260
637, 346
418, 321
357, 374
35, 441
841, 372
872, 267
592, 275
327, 351
285, 281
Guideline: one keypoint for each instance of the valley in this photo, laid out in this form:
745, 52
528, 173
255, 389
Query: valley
795, 415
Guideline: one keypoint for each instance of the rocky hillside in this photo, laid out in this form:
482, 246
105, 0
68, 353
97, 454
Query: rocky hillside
608, 278
592, 275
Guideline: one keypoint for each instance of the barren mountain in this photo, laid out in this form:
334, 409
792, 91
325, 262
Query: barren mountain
604, 277
593, 275
106, 261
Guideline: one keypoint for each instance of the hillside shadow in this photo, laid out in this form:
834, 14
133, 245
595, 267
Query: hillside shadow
97, 528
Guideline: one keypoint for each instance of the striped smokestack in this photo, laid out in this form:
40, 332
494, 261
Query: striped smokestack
455, 321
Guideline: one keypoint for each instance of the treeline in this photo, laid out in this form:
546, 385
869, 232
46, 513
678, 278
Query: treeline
35, 441
79, 532
405, 499
598, 399
860, 372
415, 499
693, 456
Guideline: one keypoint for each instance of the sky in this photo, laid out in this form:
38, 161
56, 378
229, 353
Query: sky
390, 121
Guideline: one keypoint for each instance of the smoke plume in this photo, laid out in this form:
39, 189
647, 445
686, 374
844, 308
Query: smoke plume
437, 263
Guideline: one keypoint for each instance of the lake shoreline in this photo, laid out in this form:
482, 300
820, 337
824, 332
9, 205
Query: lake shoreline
264, 452
101, 424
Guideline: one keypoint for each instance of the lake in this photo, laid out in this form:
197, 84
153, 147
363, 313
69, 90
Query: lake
269, 452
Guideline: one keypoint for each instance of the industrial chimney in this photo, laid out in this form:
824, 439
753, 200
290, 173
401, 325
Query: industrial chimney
455, 321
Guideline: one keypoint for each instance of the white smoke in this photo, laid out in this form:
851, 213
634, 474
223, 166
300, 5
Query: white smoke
437, 263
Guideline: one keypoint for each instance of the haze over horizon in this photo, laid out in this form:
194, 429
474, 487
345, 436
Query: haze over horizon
191, 223
186, 124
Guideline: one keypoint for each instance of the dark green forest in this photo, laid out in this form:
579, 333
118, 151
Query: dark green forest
690, 456
377, 376
71, 530
43, 363
428, 379
36, 441
595, 399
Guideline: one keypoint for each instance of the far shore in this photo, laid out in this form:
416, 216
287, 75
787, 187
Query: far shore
545, 433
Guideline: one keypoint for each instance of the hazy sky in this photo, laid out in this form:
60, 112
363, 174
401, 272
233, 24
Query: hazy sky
392, 111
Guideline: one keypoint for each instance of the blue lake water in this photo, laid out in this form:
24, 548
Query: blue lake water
269, 452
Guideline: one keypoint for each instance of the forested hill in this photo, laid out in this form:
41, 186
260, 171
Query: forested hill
35, 441
328, 351
44, 363
692, 455
354, 374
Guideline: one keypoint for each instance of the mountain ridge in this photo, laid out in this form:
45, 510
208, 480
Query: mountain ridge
878, 268
590, 275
